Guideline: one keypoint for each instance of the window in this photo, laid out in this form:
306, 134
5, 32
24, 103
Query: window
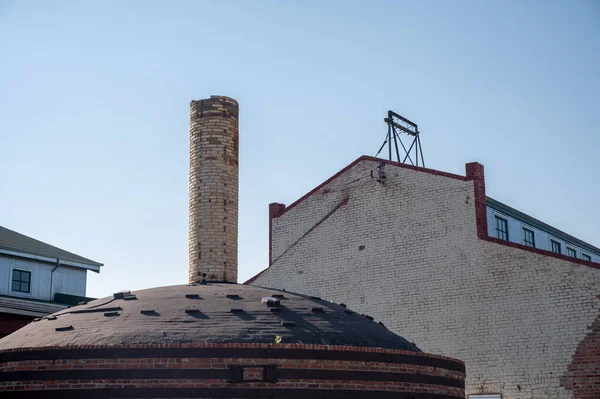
528, 237
21, 281
586, 257
571, 252
501, 228
555, 246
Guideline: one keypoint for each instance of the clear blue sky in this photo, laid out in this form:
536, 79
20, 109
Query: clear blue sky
94, 112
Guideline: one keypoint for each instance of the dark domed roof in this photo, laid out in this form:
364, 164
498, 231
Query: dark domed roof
212, 313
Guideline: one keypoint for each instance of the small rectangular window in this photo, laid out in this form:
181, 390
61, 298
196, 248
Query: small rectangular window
555, 246
571, 252
528, 237
586, 257
21, 281
501, 228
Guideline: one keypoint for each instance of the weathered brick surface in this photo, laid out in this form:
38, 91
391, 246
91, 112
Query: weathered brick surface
452, 380
213, 228
407, 252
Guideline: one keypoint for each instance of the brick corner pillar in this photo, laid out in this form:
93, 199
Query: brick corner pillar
213, 224
475, 173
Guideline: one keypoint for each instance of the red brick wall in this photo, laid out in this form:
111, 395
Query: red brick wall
583, 374
43, 375
10, 323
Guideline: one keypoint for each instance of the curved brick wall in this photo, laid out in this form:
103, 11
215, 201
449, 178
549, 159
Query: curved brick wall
213, 229
228, 371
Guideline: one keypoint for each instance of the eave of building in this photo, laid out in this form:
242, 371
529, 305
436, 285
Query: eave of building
13, 243
26, 307
509, 211
56, 261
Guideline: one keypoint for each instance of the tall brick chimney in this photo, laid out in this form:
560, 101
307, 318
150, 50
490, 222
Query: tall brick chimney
213, 189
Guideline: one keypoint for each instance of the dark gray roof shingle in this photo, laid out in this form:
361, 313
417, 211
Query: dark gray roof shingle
17, 242
213, 313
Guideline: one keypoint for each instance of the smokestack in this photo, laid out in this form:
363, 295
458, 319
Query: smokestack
213, 189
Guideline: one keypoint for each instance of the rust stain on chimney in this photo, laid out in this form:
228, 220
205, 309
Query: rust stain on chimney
214, 156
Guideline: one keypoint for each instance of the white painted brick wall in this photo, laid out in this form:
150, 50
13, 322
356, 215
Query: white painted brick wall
513, 316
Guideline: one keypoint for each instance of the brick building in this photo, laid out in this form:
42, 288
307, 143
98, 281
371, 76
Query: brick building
213, 338
443, 265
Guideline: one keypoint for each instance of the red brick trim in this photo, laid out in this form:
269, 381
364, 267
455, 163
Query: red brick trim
333, 389
475, 173
374, 159
348, 372
541, 252
334, 348
257, 275
275, 210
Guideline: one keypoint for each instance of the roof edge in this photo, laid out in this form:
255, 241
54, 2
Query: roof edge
251, 279
525, 218
94, 266
374, 159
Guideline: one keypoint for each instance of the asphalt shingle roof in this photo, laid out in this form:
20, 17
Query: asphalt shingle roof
17, 242
212, 313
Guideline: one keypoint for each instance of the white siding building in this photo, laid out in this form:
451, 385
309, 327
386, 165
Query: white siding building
508, 224
37, 279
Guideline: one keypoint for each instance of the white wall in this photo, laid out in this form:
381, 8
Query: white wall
542, 238
66, 279
406, 252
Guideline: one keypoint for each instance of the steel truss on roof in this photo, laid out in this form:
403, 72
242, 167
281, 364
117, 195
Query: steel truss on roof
397, 124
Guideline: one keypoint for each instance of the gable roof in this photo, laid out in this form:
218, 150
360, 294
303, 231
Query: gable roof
17, 244
373, 159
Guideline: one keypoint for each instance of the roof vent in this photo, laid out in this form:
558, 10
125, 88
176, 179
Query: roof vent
51, 318
96, 310
369, 317
270, 302
111, 314
192, 296
233, 296
192, 311
348, 311
149, 312
66, 328
127, 295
